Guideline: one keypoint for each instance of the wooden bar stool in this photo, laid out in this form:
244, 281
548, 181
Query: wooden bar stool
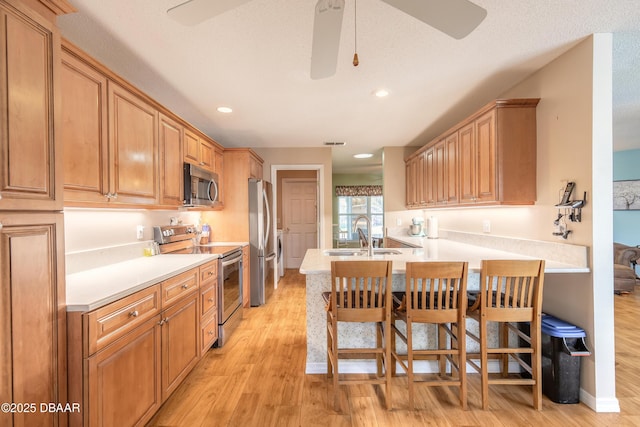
436, 293
510, 292
360, 292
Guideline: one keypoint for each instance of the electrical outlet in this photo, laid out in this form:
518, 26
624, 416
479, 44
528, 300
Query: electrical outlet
486, 226
398, 222
140, 232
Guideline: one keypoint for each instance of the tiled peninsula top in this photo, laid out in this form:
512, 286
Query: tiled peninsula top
91, 289
316, 262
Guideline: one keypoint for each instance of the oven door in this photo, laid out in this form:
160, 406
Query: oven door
229, 285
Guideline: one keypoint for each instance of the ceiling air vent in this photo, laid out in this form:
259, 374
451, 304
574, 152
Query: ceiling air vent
335, 143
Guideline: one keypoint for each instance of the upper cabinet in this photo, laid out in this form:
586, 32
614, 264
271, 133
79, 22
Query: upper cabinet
133, 147
487, 159
170, 138
30, 164
121, 148
84, 131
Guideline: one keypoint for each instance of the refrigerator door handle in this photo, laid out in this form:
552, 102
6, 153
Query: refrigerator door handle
268, 228
270, 257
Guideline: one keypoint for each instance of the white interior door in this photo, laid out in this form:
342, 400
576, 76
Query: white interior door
299, 219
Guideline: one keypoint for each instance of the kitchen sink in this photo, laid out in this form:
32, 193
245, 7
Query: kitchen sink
360, 252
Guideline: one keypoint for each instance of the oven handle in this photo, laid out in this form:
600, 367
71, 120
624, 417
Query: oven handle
232, 261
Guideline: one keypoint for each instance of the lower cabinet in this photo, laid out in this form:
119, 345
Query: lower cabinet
180, 331
126, 358
123, 380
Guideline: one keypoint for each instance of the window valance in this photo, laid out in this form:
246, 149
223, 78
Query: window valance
358, 190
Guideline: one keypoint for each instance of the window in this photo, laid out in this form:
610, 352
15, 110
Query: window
349, 207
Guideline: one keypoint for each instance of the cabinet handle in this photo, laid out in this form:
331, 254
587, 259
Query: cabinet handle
185, 286
0, 226
0, 196
165, 320
160, 323
134, 313
210, 300
210, 273
210, 332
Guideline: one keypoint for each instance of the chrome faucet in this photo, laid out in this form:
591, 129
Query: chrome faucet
368, 240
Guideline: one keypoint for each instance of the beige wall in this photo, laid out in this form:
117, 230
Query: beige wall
291, 158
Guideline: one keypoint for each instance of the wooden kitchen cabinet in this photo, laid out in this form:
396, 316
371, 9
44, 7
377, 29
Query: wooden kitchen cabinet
487, 159
84, 131
30, 158
32, 316
198, 151
180, 344
232, 224
170, 138
123, 381
133, 148
208, 305
127, 357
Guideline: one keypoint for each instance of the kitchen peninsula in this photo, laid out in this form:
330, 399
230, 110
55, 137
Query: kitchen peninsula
560, 258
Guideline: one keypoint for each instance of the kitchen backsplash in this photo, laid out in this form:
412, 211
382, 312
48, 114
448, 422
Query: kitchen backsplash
97, 228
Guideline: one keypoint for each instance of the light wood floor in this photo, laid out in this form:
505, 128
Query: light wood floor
258, 379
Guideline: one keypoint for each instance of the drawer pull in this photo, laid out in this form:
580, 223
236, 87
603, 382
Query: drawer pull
210, 300
134, 313
210, 332
185, 286
210, 273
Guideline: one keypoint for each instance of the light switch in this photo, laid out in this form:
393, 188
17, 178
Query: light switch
486, 226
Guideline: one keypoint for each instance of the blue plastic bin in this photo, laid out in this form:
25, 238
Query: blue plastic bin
563, 347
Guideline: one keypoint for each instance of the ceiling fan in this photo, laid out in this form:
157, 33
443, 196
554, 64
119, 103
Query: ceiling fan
456, 18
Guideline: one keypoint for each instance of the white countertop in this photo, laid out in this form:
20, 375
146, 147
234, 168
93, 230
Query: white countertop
316, 262
94, 288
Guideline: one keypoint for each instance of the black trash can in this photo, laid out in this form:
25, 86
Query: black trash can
563, 347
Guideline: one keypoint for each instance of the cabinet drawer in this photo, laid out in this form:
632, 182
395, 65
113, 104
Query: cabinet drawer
208, 299
209, 332
179, 286
208, 272
108, 323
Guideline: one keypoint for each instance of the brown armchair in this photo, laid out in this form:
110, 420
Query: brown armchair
624, 262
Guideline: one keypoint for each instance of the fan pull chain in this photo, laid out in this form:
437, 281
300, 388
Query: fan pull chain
355, 33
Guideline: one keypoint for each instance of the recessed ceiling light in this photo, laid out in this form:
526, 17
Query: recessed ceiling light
225, 109
363, 155
381, 93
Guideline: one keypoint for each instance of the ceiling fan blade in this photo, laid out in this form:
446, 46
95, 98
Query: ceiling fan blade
456, 18
326, 38
194, 12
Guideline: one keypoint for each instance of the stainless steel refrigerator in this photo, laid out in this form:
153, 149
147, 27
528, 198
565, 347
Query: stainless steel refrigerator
262, 255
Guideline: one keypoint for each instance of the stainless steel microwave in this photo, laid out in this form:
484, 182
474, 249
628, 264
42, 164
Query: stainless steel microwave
200, 187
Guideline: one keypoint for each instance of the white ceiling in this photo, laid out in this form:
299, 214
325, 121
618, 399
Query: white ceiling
256, 58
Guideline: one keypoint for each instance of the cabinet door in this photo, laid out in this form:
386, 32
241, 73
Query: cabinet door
191, 147
32, 316
451, 168
429, 178
219, 169
485, 130
170, 139
467, 164
133, 145
180, 347
123, 380
84, 132
30, 165
412, 182
206, 155
440, 173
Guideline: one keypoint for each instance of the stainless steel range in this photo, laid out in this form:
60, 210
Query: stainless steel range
180, 239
